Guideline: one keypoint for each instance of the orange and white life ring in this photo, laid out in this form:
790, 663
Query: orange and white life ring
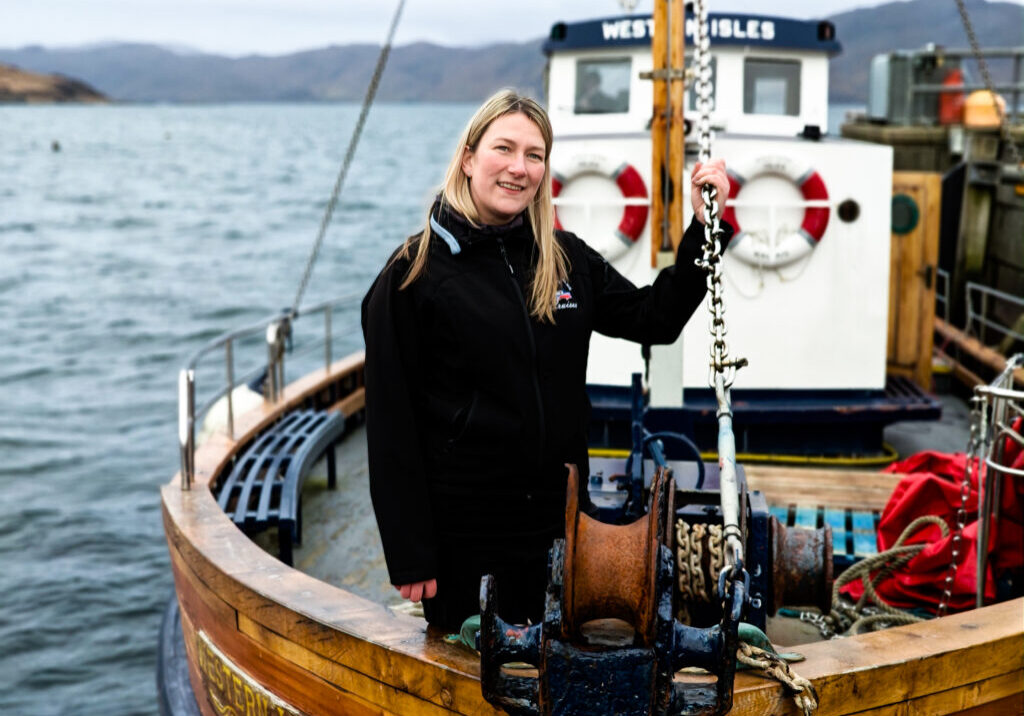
795, 245
630, 183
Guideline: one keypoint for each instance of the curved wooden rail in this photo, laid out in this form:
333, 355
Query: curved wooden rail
322, 650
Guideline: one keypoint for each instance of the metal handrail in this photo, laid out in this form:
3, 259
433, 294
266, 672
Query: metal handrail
277, 329
986, 293
942, 292
1002, 406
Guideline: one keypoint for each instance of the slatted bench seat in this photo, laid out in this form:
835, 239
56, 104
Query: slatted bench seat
264, 487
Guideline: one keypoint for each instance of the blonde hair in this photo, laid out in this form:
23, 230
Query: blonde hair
552, 264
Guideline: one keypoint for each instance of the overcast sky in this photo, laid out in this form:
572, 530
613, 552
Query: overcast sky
238, 27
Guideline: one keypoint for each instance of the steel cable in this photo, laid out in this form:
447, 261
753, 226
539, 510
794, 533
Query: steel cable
371, 92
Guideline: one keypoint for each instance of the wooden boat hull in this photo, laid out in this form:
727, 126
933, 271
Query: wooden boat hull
263, 638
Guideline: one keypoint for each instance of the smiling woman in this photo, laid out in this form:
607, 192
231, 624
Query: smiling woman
477, 336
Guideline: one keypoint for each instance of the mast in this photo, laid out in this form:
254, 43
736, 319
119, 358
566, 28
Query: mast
667, 155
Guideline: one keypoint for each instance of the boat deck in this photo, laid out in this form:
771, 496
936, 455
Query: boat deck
322, 648
341, 545
340, 541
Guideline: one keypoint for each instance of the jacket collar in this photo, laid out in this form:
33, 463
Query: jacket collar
457, 233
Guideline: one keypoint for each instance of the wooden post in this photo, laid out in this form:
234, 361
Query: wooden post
676, 148
659, 127
667, 139
914, 258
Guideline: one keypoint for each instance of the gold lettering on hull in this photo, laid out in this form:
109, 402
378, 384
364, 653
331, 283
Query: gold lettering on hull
232, 692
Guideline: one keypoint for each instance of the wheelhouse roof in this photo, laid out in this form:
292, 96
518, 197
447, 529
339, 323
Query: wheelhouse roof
730, 29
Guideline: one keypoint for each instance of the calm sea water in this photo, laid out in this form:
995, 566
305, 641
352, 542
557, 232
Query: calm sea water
151, 230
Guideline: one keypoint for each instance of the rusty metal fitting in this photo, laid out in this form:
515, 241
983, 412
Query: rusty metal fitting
801, 567
611, 570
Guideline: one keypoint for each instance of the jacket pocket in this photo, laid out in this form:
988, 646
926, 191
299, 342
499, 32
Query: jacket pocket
461, 421
484, 428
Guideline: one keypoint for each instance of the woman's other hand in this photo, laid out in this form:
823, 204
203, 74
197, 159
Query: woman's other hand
418, 590
711, 173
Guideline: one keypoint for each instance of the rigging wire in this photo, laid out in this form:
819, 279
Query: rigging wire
371, 92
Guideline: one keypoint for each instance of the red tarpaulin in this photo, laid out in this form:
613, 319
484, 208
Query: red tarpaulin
932, 487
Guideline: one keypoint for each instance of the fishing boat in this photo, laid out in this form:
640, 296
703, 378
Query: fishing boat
258, 634
249, 633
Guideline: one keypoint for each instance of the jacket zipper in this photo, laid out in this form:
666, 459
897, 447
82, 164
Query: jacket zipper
533, 349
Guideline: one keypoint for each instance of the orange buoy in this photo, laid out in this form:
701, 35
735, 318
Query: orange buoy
980, 110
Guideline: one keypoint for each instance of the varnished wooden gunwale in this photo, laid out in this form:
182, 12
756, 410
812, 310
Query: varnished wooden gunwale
324, 650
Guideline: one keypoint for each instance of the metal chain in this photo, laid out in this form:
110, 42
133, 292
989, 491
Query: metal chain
711, 261
702, 58
683, 559
371, 92
722, 371
700, 587
716, 552
973, 462
1004, 128
690, 558
821, 622
773, 665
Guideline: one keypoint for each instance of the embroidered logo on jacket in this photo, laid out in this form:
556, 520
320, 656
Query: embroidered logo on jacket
563, 297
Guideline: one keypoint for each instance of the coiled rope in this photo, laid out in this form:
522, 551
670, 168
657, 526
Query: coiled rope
856, 619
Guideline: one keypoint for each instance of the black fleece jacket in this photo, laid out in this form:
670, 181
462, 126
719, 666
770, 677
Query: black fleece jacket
473, 406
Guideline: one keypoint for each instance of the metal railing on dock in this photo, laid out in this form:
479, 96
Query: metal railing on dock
979, 312
278, 332
1014, 89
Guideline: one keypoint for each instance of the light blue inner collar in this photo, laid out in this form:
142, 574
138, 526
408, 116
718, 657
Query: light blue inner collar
453, 244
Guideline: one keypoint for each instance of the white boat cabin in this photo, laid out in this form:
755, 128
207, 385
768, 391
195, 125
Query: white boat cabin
807, 275
770, 74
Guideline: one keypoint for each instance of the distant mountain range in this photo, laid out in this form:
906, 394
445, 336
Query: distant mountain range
428, 72
417, 72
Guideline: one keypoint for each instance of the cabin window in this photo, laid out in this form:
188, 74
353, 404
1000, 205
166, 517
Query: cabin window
602, 86
691, 91
771, 86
